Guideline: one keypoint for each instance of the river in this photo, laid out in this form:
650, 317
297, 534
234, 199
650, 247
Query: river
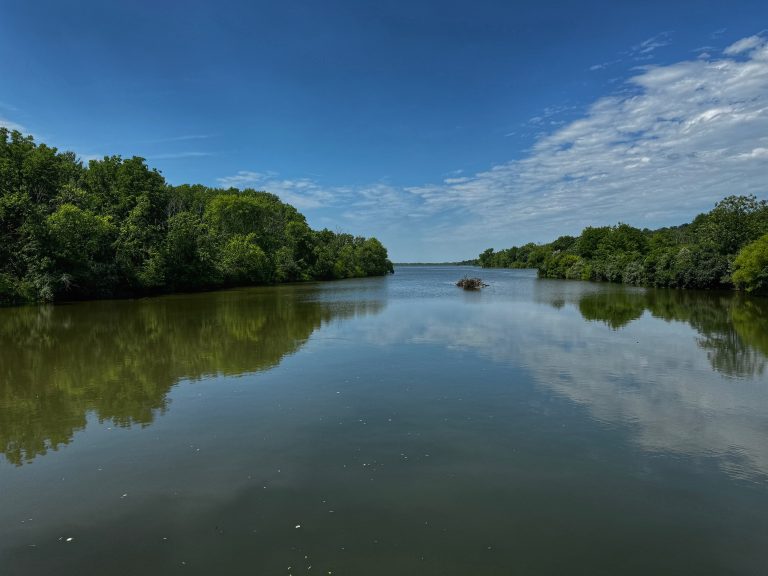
385, 426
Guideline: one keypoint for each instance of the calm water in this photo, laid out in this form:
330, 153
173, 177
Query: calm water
387, 426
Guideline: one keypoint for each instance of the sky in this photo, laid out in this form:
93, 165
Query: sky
441, 127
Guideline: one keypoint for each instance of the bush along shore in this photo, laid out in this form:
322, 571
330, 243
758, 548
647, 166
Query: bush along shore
116, 228
724, 248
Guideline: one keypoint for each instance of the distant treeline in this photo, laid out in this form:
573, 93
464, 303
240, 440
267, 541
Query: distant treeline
462, 263
724, 248
116, 228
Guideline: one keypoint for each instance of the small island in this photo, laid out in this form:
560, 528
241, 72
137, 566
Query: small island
471, 283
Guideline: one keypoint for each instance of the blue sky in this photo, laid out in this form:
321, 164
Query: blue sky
442, 128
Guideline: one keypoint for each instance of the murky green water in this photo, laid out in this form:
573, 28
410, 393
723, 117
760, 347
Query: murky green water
387, 426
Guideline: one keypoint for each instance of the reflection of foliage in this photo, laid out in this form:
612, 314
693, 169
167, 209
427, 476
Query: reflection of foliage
616, 309
750, 321
118, 360
733, 328
731, 351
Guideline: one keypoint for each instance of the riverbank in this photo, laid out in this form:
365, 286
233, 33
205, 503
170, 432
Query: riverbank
726, 248
116, 228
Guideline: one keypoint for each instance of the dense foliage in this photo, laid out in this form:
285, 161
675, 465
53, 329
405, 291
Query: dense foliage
725, 247
751, 266
115, 227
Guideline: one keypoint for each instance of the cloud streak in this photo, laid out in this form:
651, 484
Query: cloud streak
744, 45
643, 51
179, 155
10, 125
680, 138
672, 141
183, 138
303, 193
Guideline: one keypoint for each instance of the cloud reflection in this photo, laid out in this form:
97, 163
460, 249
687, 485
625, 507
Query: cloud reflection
684, 372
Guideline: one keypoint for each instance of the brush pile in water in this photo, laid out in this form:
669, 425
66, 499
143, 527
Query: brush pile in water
470, 283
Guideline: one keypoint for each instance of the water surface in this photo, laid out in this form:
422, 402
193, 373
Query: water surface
387, 426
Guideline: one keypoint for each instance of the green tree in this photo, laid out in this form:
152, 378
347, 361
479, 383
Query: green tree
590, 240
80, 243
116, 185
243, 261
734, 222
486, 258
137, 248
372, 258
186, 257
751, 266
116, 228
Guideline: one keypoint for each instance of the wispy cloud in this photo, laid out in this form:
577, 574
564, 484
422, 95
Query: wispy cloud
245, 179
680, 138
744, 45
11, 125
640, 52
304, 193
644, 49
708, 419
603, 65
88, 157
179, 155
183, 138
716, 34
549, 118
669, 143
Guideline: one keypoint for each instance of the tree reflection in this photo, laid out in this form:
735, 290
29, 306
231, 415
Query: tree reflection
733, 328
118, 360
616, 309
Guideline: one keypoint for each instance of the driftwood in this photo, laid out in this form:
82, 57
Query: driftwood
470, 283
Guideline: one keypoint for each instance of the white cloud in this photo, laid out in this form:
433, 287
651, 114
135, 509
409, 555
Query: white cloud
660, 413
744, 45
640, 52
182, 138
717, 33
177, 155
672, 141
10, 125
755, 153
88, 157
303, 193
682, 137
245, 178
643, 50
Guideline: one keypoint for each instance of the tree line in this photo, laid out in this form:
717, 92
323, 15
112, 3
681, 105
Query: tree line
115, 228
724, 248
